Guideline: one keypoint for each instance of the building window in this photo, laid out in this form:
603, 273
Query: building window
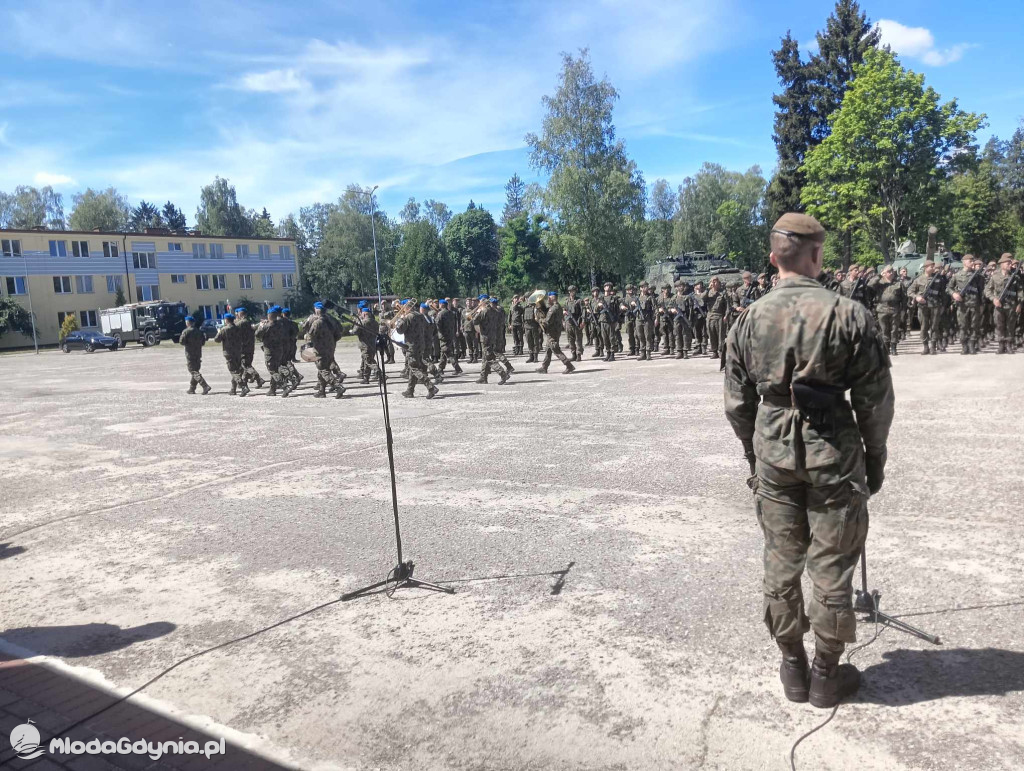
80, 248
287, 280
244, 281
147, 293
16, 285
202, 282
242, 251
217, 251
286, 252
268, 280
113, 284
220, 282
83, 284
111, 249
198, 251
174, 246
264, 251
10, 248
61, 315
62, 284
58, 248
88, 318
207, 311
177, 278
144, 260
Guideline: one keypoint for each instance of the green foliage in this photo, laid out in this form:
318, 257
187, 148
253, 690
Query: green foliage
107, 211
30, 207
174, 217
594, 190
343, 263
422, 267
220, 214
262, 224
13, 317
891, 144
662, 207
253, 308
515, 199
722, 211
69, 325
471, 239
145, 215
524, 255
119, 298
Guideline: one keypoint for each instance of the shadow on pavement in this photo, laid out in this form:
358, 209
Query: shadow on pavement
84, 639
6, 550
915, 676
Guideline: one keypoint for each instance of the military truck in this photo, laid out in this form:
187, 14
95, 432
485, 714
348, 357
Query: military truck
908, 257
146, 323
693, 267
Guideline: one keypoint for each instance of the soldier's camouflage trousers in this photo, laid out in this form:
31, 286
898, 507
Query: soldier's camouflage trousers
816, 518
575, 339
327, 372
969, 315
518, 338
668, 334
279, 373
551, 347
646, 335
931, 322
491, 359
417, 368
471, 345
684, 335
716, 334
534, 339
699, 331
193, 363
234, 364
449, 352
631, 336
1006, 323
888, 321
607, 337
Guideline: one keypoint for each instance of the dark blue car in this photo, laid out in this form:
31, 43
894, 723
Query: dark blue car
88, 341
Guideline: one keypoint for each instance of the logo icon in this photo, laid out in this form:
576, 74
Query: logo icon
25, 741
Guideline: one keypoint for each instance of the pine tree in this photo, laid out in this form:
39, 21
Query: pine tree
515, 199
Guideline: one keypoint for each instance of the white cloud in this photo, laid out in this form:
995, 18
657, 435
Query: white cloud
919, 43
44, 178
273, 82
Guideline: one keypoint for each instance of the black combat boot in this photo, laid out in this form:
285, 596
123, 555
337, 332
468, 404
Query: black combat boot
206, 387
192, 388
925, 352
831, 682
260, 382
964, 348
234, 388
568, 368
482, 379
273, 388
895, 349
794, 670
680, 354
244, 389
458, 369
504, 377
510, 367
409, 392
339, 391
432, 391
321, 391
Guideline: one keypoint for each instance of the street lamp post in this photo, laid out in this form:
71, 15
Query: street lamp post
32, 315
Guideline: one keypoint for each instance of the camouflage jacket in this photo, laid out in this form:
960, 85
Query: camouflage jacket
746, 295
607, 309
891, 296
488, 322
230, 338
932, 288
969, 284
320, 332
998, 283
717, 302
645, 306
467, 321
273, 335
248, 335
293, 331
803, 334
193, 339
574, 312
447, 324
551, 319
414, 327
516, 313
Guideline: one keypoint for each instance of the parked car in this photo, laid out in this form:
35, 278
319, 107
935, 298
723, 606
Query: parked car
88, 341
210, 327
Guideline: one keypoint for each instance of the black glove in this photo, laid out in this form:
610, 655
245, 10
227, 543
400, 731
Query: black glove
875, 467
752, 461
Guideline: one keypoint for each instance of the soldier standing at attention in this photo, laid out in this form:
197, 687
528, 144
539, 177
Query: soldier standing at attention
593, 326
629, 310
967, 288
680, 314
550, 319
814, 457
927, 291
645, 322
699, 304
516, 325
248, 346
447, 327
718, 305
1004, 291
891, 300
193, 339
231, 344
668, 332
532, 329
608, 316
574, 324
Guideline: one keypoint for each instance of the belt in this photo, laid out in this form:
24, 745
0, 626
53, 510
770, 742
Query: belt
805, 397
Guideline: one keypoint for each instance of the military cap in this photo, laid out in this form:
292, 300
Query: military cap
1006, 257
442, 301
404, 302
572, 288
229, 316
552, 293
483, 297
189, 318
594, 289
644, 284
274, 309
286, 310
494, 300
800, 225
608, 284
667, 286
242, 310
317, 305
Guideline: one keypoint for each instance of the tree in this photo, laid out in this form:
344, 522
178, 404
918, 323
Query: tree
69, 325
812, 92
524, 257
119, 298
471, 239
174, 217
422, 268
890, 147
13, 317
595, 190
410, 212
107, 210
219, 213
661, 208
515, 199
29, 207
437, 214
145, 215
978, 222
262, 226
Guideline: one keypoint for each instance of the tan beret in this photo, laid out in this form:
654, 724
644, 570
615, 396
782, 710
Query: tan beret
927, 263
1006, 257
803, 225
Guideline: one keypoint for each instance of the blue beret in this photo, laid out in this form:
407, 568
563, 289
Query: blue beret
239, 310
483, 297
229, 315
424, 305
404, 302
318, 305
286, 310
494, 300
552, 294
443, 302
189, 318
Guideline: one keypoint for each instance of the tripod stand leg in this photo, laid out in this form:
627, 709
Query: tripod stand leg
365, 590
415, 583
903, 626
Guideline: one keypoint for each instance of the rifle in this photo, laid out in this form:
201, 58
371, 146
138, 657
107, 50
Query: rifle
747, 301
1011, 281
963, 292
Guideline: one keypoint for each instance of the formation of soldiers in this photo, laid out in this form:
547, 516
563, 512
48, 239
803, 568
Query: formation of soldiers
976, 305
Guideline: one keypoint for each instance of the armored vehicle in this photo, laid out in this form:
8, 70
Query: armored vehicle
693, 267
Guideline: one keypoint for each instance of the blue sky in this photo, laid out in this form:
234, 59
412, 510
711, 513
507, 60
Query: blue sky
432, 100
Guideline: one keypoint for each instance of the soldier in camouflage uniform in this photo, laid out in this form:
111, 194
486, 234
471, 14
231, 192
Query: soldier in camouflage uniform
699, 303
489, 325
447, 327
229, 336
718, 306
593, 326
928, 291
608, 316
367, 330
814, 457
273, 335
1004, 290
293, 346
550, 317
891, 300
967, 289
323, 336
516, 325
532, 332
665, 323
470, 331
417, 338
645, 321
248, 347
193, 339
574, 315
629, 314
681, 311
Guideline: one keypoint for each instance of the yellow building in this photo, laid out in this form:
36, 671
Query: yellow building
59, 272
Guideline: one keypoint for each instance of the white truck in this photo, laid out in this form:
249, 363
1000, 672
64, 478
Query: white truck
147, 323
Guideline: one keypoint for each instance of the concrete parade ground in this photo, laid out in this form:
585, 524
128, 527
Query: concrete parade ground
597, 531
